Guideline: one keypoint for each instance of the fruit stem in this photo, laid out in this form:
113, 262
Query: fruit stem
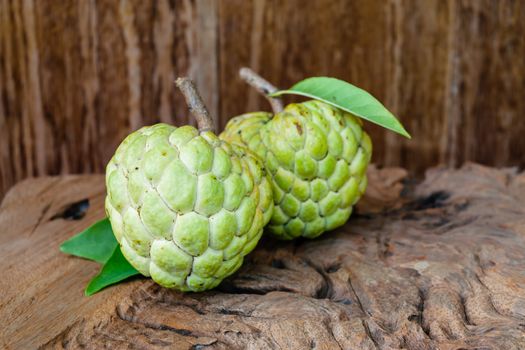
263, 86
195, 104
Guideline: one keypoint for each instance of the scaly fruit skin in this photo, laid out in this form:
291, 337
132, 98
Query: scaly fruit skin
244, 130
185, 206
317, 156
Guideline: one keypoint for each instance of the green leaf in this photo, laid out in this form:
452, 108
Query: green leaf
347, 97
98, 243
116, 269
95, 243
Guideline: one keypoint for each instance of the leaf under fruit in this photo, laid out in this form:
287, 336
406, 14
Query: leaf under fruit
116, 269
98, 243
95, 243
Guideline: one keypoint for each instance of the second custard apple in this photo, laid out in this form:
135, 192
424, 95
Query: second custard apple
317, 156
185, 206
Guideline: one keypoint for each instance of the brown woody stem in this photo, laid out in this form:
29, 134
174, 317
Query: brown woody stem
195, 104
263, 86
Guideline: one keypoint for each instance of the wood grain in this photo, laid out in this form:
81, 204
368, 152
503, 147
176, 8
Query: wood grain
77, 76
441, 267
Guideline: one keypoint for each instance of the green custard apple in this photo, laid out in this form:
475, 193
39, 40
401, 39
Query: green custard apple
185, 206
317, 156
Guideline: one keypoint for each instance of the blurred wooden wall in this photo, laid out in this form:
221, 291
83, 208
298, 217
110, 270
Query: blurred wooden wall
77, 76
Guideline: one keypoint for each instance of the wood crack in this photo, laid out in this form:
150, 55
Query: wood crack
162, 327
325, 291
330, 330
357, 298
41, 217
369, 334
421, 309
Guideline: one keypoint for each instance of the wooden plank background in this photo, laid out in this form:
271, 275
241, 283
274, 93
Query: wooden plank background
77, 76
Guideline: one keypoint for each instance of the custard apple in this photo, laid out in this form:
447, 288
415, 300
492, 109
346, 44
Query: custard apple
185, 206
317, 156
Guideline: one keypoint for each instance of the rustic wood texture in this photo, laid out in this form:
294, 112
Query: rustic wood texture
438, 265
77, 76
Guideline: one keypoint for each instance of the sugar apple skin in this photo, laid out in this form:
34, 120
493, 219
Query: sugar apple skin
185, 206
317, 156
245, 131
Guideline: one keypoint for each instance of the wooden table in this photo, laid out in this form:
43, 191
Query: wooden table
435, 265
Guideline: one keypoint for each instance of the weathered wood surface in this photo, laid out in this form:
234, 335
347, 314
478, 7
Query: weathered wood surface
441, 266
77, 76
